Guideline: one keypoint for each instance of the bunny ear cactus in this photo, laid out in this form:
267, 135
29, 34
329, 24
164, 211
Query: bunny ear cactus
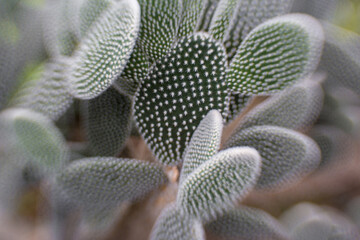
295, 108
341, 57
61, 27
90, 11
48, 150
276, 54
215, 186
179, 91
108, 120
48, 94
159, 25
247, 224
106, 181
208, 13
286, 155
191, 14
104, 52
233, 19
135, 71
204, 143
326, 225
172, 224
160, 21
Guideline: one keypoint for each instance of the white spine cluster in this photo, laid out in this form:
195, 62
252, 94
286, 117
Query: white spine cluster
286, 155
104, 52
106, 182
178, 92
215, 186
172, 224
248, 224
276, 54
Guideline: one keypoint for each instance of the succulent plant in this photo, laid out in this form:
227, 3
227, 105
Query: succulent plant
248, 223
109, 181
179, 70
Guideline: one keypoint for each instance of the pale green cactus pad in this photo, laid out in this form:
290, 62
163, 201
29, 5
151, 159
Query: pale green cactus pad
48, 94
286, 155
108, 122
208, 13
192, 11
35, 138
135, 71
341, 57
159, 25
222, 18
104, 52
333, 142
102, 181
248, 15
247, 224
322, 227
276, 54
215, 186
177, 94
297, 107
233, 19
60, 29
90, 11
204, 143
171, 224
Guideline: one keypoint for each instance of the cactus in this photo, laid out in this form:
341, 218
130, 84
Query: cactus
196, 63
48, 94
108, 120
95, 65
109, 181
48, 150
285, 153
295, 108
176, 73
214, 186
171, 224
249, 73
248, 223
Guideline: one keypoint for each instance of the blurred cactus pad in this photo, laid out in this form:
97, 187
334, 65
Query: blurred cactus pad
174, 119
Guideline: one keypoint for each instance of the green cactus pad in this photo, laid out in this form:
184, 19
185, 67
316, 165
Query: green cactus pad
35, 138
215, 186
90, 11
247, 224
108, 122
171, 224
177, 94
204, 143
109, 181
49, 95
159, 24
341, 58
192, 11
104, 52
134, 73
60, 29
208, 13
295, 108
286, 154
248, 15
222, 18
276, 54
